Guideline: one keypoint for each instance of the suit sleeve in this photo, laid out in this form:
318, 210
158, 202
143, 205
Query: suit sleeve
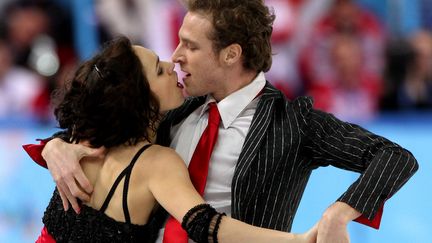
384, 166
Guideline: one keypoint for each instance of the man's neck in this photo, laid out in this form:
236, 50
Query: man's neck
235, 83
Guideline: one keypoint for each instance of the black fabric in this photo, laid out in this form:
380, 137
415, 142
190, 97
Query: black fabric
202, 223
93, 225
286, 141
126, 172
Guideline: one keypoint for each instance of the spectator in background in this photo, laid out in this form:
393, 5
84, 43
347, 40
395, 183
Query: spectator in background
398, 54
20, 88
344, 18
291, 29
135, 19
282, 72
408, 73
416, 88
124, 17
24, 23
354, 92
38, 33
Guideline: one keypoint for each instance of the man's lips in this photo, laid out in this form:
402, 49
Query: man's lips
186, 75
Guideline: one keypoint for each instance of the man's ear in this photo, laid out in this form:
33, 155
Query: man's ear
231, 54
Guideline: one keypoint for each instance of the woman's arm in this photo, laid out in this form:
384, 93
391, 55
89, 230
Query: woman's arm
62, 160
171, 186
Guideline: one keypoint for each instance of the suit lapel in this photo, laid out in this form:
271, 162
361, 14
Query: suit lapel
254, 138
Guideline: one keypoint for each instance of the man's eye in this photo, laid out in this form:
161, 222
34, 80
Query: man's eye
190, 46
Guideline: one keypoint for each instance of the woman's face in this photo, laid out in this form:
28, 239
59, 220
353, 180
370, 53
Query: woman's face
162, 79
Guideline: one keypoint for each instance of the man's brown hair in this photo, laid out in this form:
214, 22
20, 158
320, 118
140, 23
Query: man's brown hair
245, 22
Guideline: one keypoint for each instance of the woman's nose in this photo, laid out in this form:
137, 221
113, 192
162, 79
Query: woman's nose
170, 67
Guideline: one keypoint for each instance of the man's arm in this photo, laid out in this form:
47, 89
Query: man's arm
388, 170
62, 160
384, 168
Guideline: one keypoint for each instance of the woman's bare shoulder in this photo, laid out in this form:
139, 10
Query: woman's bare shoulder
162, 158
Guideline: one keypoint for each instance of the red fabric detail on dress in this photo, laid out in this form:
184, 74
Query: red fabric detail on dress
45, 237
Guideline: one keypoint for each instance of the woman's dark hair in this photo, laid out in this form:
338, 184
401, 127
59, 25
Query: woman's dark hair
108, 102
248, 23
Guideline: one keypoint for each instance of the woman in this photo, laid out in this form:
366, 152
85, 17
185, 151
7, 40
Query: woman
116, 100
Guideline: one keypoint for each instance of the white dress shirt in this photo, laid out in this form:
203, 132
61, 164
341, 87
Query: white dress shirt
236, 111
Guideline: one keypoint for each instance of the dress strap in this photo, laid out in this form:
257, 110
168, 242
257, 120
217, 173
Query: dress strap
126, 172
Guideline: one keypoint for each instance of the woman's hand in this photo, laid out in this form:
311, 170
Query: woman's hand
63, 163
333, 225
310, 236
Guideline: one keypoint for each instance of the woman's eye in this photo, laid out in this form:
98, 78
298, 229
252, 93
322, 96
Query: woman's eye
160, 71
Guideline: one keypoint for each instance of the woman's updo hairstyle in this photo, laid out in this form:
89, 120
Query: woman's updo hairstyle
108, 102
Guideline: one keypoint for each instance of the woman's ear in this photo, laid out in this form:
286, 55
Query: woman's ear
231, 54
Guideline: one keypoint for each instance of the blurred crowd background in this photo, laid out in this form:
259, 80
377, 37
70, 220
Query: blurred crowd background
357, 58
366, 61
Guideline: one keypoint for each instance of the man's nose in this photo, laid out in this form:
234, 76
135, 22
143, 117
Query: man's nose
176, 56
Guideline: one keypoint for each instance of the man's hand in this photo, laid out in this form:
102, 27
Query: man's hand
332, 227
63, 163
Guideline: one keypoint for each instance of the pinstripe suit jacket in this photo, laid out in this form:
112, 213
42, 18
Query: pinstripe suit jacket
286, 141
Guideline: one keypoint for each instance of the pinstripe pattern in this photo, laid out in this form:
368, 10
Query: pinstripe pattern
286, 141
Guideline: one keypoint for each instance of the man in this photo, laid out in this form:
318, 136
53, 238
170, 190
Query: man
267, 145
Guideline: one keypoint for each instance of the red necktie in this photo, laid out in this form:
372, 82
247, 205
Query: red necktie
198, 171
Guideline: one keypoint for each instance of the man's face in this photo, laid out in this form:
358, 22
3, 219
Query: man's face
196, 56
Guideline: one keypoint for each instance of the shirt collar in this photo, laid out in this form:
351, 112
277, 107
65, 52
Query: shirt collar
232, 105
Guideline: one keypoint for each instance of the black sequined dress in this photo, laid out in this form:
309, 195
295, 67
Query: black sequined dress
92, 225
